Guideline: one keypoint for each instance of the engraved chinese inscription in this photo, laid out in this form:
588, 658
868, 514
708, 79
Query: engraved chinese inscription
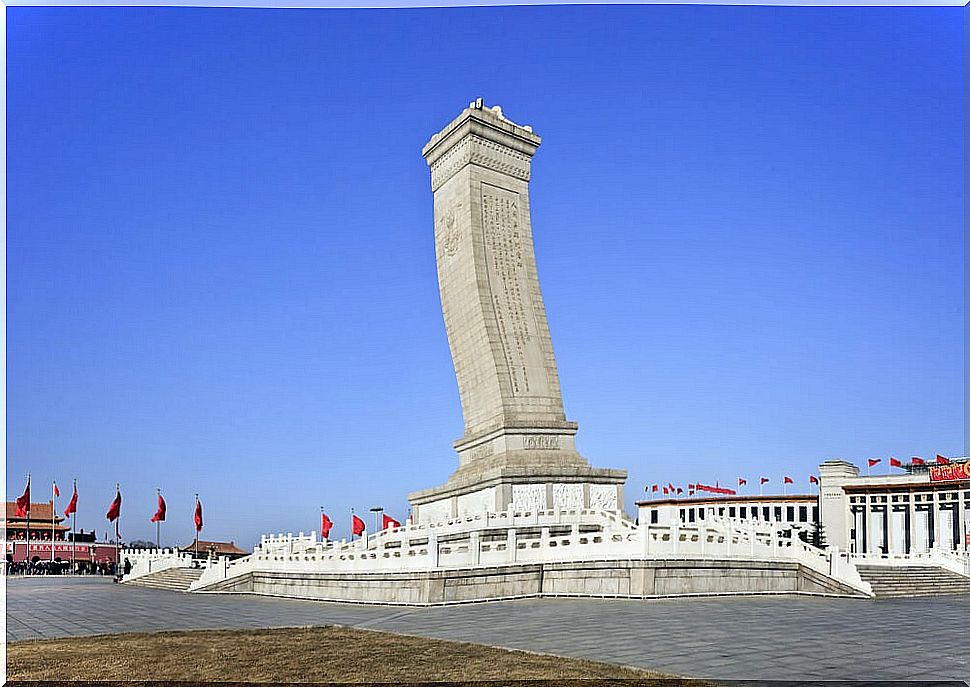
541, 442
504, 236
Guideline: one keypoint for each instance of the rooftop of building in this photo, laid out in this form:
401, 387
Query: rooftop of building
38, 512
219, 548
716, 499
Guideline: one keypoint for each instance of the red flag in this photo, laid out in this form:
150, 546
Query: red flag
388, 521
160, 513
57, 492
918, 461
72, 506
874, 461
666, 491
357, 525
895, 463
198, 515
114, 510
942, 460
671, 487
654, 488
789, 480
715, 489
679, 490
690, 492
325, 525
23, 502
764, 480
812, 479
742, 481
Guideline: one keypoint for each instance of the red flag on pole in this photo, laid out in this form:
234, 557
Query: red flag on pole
666, 491
874, 461
942, 460
765, 480
114, 510
160, 513
679, 490
812, 479
918, 461
198, 515
325, 525
742, 481
57, 492
357, 525
388, 521
895, 463
23, 502
789, 480
72, 506
654, 488
715, 489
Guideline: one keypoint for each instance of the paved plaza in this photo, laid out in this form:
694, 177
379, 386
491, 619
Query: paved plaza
808, 638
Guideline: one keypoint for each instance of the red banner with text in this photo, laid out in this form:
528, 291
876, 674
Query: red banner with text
950, 473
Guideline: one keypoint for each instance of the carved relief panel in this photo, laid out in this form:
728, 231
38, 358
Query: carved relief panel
530, 497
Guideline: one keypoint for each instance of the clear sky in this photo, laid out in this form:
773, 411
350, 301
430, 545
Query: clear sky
221, 274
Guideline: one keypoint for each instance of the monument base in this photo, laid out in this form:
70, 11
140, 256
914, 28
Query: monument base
517, 485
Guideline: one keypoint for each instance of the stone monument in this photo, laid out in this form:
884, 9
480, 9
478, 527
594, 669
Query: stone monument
518, 450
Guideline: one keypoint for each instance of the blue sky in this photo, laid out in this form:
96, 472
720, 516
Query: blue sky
220, 257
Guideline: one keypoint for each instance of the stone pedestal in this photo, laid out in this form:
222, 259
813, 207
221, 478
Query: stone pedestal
518, 448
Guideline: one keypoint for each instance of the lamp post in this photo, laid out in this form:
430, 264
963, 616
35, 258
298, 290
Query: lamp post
377, 524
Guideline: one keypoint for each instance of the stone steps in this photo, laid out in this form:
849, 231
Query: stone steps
173, 579
897, 581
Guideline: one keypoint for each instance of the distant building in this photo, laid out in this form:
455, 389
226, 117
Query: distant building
44, 525
205, 549
798, 511
925, 507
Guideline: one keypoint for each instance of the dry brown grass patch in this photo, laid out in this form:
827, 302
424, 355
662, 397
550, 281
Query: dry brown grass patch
318, 654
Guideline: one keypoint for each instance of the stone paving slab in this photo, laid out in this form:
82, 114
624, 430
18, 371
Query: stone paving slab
733, 638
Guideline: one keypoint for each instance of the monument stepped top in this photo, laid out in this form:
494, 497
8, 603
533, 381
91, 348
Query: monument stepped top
488, 122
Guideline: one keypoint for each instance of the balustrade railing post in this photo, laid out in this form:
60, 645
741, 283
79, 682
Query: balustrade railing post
475, 546
510, 545
433, 549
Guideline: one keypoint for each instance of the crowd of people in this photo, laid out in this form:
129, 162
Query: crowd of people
55, 567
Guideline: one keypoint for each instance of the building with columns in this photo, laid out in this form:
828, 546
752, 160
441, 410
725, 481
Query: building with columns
926, 508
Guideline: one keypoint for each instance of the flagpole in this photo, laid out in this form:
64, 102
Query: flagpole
73, 534
118, 533
27, 559
196, 528
53, 517
158, 526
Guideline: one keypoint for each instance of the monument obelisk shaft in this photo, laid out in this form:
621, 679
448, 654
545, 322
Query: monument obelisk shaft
518, 448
